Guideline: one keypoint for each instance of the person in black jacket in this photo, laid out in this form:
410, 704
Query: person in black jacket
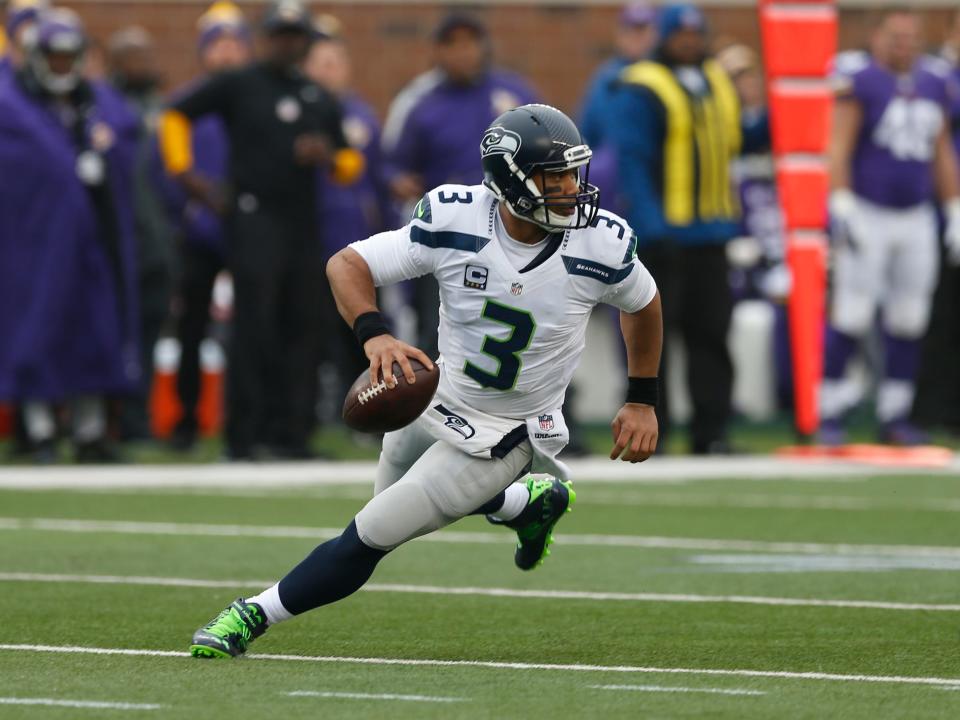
281, 127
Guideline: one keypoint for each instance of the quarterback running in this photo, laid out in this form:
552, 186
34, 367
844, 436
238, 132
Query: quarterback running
521, 261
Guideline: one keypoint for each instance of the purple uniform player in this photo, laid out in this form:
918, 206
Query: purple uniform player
890, 149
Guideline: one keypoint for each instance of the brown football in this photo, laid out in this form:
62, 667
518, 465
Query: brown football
378, 409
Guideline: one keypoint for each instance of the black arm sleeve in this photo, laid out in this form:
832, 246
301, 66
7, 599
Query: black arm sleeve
333, 122
213, 95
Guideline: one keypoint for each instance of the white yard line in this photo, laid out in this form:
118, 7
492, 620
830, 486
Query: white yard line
490, 592
496, 665
86, 704
767, 501
672, 689
454, 536
263, 475
374, 696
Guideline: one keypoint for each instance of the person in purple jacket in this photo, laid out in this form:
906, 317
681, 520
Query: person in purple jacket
430, 136
224, 42
20, 19
68, 295
890, 155
347, 212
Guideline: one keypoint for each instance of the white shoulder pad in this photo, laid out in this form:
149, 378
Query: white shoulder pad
935, 66
850, 62
609, 240
446, 217
449, 205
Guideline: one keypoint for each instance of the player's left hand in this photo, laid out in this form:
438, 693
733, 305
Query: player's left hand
635, 433
951, 233
311, 149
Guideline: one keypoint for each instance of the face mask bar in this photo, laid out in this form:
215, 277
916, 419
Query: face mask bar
547, 211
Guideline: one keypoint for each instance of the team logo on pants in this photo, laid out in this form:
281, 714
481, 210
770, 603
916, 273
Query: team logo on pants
456, 422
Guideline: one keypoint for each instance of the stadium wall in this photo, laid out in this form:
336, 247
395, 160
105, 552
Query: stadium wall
557, 45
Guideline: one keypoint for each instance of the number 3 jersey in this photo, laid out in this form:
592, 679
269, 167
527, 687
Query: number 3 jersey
902, 117
513, 319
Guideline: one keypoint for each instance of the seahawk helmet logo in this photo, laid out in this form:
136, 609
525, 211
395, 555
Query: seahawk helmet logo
497, 141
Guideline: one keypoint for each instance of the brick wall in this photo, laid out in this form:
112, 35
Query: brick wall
556, 47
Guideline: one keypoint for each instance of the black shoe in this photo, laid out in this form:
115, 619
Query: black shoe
44, 452
96, 452
714, 447
183, 438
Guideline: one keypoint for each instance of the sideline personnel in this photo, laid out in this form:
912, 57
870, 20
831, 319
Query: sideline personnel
281, 126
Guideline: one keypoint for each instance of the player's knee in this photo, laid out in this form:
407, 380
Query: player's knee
401, 513
852, 314
907, 319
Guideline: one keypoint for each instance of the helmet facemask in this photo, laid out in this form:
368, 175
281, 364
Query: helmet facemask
57, 60
525, 200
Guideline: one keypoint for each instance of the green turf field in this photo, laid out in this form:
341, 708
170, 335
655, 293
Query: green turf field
720, 599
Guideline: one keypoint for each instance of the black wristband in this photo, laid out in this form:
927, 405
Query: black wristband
643, 390
368, 325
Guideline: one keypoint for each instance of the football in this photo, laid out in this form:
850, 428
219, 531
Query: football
378, 409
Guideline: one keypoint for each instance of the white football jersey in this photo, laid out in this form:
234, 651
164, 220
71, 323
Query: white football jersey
510, 339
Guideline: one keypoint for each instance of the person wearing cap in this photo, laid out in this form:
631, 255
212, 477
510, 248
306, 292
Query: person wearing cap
676, 125
21, 17
67, 276
224, 42
281, 127
634, 40
429, 137
348, 212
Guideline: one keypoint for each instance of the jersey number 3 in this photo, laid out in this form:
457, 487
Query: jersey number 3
505, 352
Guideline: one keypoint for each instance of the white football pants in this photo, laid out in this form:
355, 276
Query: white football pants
894, 267
424, 484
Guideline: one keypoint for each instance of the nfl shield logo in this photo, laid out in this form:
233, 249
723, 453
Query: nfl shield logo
546, 422
516, 288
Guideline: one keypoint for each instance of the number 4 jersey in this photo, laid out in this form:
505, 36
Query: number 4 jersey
902, 118
513, 318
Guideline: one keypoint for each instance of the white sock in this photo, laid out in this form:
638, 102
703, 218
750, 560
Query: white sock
269, 600
837, 397
516, 497
39, 420
894, 399
89, 418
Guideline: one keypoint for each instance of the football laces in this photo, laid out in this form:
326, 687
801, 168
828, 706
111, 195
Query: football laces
371, 392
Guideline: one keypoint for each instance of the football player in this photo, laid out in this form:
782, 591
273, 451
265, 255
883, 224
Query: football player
890, 149
521, 261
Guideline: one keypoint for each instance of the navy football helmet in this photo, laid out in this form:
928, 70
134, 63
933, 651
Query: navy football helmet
531, 140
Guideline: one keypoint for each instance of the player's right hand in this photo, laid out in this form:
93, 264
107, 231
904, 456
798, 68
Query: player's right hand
203, 190
843, 212
385, 350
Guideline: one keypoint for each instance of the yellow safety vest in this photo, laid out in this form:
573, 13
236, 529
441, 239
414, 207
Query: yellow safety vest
702, 135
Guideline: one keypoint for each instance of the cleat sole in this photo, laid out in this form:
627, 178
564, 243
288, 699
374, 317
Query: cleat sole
207, 653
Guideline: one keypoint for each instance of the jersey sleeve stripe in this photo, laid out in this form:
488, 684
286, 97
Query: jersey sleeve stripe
448, 239
595, 270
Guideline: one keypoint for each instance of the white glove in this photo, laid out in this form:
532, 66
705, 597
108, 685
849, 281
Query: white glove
843, 209
777, 282
951, 234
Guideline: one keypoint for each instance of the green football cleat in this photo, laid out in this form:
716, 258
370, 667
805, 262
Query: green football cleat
229, 633
549, 500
